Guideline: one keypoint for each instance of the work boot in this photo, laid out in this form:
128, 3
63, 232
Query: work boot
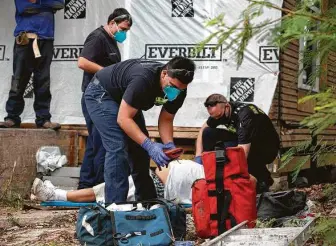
8, 123
51, 125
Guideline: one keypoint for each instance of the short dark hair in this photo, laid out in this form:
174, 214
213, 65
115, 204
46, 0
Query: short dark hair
181, 68
120, 15
216, 98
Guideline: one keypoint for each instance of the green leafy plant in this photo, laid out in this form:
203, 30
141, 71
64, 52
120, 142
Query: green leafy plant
324, 232
306, 22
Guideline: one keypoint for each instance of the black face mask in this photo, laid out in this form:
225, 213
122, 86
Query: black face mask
226, 119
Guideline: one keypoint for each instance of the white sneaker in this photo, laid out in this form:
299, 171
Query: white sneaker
42, 191
49, 184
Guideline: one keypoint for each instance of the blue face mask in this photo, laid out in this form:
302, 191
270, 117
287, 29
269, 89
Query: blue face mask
171, 92
120, 36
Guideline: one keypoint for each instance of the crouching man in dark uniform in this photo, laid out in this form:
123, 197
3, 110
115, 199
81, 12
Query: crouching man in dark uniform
233, 123
115, 99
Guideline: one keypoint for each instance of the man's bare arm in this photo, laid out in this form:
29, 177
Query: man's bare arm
199, 145
88, 66
246, 148
166, 126
126, 122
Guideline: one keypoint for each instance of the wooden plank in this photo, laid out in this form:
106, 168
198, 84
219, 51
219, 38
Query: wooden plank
288, 104
331, 80
292, 118
331, 66
289, 98
290, 65
326, 137
301, 131
70, 172
288, 71
294, 112
292, 137
292, 2
291, 53
287, 5
293, 164
288, 84
290, 59
62, 181
288, 91
293, 47
81, 148
285, 104
186, 135
306, 106
178, 129
329, 132
291, 80
290, 144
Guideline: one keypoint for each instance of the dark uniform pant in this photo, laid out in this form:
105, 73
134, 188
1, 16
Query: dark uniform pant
92, 168
260, 154
24, 64
123, 155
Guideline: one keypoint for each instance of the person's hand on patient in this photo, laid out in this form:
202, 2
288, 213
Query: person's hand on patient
155, 151
169, 146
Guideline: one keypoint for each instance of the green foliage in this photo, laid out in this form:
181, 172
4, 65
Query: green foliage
324, 231
329, 191
316, 30
265, 223
325, 108
12, 199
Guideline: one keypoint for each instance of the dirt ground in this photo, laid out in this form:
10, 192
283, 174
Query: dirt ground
37, 227
57, 227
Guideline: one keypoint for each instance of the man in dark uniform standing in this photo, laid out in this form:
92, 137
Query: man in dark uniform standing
234, 123
100, 50
115, 99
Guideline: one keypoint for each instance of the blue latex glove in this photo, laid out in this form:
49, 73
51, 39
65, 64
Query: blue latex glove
155, 151
198, 159
169, 145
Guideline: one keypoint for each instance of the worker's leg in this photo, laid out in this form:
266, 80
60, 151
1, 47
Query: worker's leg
139, 163
46, 191
92, 168
83, 195
103, 111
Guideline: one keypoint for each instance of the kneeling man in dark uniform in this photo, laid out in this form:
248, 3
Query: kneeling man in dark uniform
234, 123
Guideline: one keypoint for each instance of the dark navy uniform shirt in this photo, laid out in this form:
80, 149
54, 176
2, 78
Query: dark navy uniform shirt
99, 48
138, 83
249, 122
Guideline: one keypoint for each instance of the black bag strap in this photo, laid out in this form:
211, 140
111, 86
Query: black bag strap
223, 197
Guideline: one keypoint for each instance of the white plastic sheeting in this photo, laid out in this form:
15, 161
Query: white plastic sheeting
49, 158
161, 30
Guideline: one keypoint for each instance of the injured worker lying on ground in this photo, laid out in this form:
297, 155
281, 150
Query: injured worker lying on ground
172, 183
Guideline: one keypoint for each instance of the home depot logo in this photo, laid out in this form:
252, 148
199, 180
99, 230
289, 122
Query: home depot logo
182, 8
242, 89
67, 52
75, 9
165, 52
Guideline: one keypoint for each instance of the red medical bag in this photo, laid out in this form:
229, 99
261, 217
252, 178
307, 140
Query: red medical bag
227, 195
